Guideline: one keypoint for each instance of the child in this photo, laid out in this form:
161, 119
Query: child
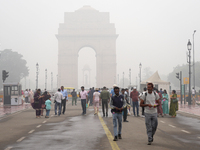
48, 108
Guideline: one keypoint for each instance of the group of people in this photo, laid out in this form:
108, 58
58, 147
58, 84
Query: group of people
153, 103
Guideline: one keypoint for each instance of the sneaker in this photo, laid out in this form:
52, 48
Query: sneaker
149, 143
142, 116
119, 136
125, 120
115, 139
138, 115
95, 113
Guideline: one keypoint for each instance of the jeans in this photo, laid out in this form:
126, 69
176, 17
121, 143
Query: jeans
125, 113
83, 104
151, 122
47, 112
59, 106
105, 103
135, 104
143, 111
63, 105
26, 99
117, 117
74, 100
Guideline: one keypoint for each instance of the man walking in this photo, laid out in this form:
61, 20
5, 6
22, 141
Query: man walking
126, 97
65, 98
145, 89
91, 95
105, 97
148, 101
134, 95
74, 97
26, 94
57, 100
117, 105
84, 99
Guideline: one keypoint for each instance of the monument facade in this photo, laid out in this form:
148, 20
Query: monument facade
86, 27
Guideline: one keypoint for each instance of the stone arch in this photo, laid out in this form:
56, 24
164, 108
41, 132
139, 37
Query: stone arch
86, 27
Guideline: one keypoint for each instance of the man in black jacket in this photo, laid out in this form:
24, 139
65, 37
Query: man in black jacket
117, 105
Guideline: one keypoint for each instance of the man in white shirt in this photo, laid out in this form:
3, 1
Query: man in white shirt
57, 100
26, 94
150, 102
84, 99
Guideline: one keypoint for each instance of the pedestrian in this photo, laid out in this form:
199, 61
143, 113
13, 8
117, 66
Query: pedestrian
126, 93
46, 96
91, 96
112, 92
127, 103
48, 107
173, 104
84, 99
161, 91
105, 98
74, 97
134, 95
159, 108
26, 94
117, 105
31, 94
65, 98
144, 91
150, 100
165, 102
58, 100
38, 103
96, 99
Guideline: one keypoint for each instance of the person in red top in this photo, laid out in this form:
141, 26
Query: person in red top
134, 95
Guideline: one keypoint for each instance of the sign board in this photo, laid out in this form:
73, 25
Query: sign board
186, 80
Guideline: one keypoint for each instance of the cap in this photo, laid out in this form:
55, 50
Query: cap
114, 85
134, 88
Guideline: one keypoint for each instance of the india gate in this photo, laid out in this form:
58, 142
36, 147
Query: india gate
86, 27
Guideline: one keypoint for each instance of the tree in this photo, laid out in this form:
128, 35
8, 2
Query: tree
13, 63
147, 73
185, 73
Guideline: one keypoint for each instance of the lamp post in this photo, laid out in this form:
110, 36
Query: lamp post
123, 79
130, 76
193, 61
37, 72
51, 81
46, 79
140, 66
189, 47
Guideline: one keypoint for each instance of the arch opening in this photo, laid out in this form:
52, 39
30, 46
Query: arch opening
87, 67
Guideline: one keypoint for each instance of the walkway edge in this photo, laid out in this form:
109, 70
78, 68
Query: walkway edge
108, 134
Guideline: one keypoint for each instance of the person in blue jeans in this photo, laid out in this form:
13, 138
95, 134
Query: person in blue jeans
58, 99
48, 108
134, 95
117, 105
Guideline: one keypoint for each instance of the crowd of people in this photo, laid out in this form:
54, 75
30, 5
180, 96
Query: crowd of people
154, 103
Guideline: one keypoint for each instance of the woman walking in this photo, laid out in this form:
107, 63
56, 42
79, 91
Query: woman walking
96, 99
38, 103
165, 103
173, 104
159, 108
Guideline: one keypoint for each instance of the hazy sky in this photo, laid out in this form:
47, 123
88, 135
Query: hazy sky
153, 32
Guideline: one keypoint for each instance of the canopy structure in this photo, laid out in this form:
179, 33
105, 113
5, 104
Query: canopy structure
156, 80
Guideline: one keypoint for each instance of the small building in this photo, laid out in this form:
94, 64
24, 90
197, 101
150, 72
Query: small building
12, 94
158, 83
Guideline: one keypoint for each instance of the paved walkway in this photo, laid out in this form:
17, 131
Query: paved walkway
6, 110
190, 109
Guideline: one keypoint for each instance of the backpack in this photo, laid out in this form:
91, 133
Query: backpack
146, 96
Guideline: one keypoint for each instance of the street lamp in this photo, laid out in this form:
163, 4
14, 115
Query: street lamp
193, 61
37, 72
189, 47
45, 79
140, 66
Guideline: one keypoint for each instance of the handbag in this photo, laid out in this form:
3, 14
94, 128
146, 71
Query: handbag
175, 100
